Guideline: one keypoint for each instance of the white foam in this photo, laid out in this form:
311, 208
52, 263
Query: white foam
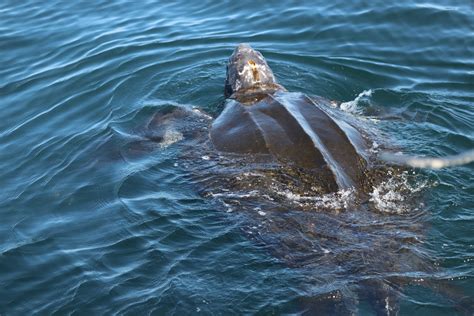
337, 201
374, 148
236, 195
353, 106
229, 209
386, 200
390, 196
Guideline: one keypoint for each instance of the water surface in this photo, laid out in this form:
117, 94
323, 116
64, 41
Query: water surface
97, 219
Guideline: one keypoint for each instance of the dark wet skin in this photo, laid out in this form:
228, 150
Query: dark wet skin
263, 118
268, 127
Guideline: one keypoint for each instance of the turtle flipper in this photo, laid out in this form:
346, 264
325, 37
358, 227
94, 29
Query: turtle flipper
382, 296
331, 303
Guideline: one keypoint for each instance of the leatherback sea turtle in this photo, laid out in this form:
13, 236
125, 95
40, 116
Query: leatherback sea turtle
301, 174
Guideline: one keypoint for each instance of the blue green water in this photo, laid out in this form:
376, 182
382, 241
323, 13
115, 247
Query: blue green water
90, 226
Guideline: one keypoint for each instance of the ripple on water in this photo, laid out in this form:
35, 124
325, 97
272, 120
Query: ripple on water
100, 216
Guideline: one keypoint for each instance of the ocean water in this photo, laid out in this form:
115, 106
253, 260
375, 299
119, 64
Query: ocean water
99, 218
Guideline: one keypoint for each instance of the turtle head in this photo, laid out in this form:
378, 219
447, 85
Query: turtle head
248, 73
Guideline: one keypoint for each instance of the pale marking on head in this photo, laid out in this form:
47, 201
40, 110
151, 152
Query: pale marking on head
255, 74
255, 71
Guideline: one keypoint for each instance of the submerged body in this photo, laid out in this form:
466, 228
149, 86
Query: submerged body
261, 117
282, 148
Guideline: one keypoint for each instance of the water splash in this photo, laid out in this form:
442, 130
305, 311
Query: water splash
354, 105
340, 200
395, 195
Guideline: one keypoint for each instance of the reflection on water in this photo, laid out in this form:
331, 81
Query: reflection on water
426, 162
